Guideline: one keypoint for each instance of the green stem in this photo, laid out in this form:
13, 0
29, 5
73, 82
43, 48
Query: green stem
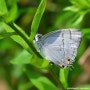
26, 39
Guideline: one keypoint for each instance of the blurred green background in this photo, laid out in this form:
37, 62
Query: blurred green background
21, 67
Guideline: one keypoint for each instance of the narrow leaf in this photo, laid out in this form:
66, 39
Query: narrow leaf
37, 18
26, 39
38, 62
12, 13
86, 32
64, 20
85, 4
39, 81
26, 58
4, 35
63, 75
3, 8
17, 38
23, 58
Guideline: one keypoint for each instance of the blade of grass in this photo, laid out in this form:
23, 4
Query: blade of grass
37, 18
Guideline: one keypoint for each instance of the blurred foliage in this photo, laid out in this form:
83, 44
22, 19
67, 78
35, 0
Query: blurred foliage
21, 66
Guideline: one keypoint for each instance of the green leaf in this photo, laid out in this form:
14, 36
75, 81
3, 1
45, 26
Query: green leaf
38, 62
1, 27
17, 68
17, 38
39, 81
26, 58
4, 35
86, 32
37, 18
63, 75
77, 19
41, 63
26, 39
69, 19
71, 8
20, 30
23, 58
83, 4
25, 86
6, 44
3, 8
82, 48
62, 18
12, 13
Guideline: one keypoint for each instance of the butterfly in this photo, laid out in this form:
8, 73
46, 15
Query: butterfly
59, 46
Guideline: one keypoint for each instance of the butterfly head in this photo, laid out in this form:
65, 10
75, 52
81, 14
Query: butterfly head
37, 42
38, 36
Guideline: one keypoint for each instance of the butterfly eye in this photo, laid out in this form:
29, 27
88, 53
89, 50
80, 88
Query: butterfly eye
38, 36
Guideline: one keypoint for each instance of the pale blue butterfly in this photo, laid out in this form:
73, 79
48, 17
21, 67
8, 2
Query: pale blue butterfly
59, 46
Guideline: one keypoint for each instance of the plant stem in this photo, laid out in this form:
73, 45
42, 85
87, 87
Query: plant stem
26, 40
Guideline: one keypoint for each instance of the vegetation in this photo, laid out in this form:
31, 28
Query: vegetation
21, 66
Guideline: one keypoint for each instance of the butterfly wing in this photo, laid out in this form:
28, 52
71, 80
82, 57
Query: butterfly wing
59, 45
